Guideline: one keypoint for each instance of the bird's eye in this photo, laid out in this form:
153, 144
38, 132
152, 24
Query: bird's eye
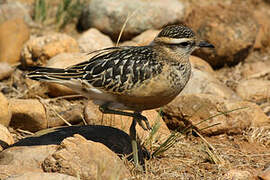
184, 44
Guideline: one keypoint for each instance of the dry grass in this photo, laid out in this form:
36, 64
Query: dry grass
189, 158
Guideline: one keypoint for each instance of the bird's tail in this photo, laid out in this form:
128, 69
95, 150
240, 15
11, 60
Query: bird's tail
54, 74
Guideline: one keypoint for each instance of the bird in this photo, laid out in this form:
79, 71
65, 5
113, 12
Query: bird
127, 80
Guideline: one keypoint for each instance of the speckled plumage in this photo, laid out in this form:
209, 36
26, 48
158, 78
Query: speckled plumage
133, 78
176, 31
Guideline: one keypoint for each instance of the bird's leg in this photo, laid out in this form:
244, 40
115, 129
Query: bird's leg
132, 134
139, 118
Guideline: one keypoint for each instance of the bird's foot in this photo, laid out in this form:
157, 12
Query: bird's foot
140, 119
137, 115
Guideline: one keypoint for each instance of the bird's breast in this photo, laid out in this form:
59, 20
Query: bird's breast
157, 91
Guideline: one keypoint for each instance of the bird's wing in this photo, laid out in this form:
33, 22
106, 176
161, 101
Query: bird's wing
114, 70
119, 68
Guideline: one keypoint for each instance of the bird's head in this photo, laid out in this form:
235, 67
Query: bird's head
180, 39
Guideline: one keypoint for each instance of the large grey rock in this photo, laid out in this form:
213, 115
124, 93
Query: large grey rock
109, 15
12, 10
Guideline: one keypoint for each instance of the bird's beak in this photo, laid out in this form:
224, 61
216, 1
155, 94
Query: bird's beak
205, 44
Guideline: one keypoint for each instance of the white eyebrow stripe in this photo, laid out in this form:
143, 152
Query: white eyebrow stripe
174, 40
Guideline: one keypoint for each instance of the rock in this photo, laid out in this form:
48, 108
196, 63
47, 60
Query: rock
64, 60
128, 43
14, 10
28, 114
40, 175
238, 175
5, 70
202, 82
19, 160
232, 30
255, 90
143, 39
155, 120
87, 159
5, 137
146, 37
110, 16
56, 90
231, 116
253, 112
5, 113
256, 70
201, 64
92, 40
262, 15
71, 111
264, 175
94, 116
13, 34
27, 2
37, 50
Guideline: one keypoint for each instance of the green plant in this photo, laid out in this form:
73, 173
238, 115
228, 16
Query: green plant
40, 12
68, 11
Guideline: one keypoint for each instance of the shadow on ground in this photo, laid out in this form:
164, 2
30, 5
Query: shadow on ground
115, 139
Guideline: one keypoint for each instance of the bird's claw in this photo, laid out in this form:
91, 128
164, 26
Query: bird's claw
140, 118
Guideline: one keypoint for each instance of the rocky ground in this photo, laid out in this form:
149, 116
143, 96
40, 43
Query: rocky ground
217, 128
